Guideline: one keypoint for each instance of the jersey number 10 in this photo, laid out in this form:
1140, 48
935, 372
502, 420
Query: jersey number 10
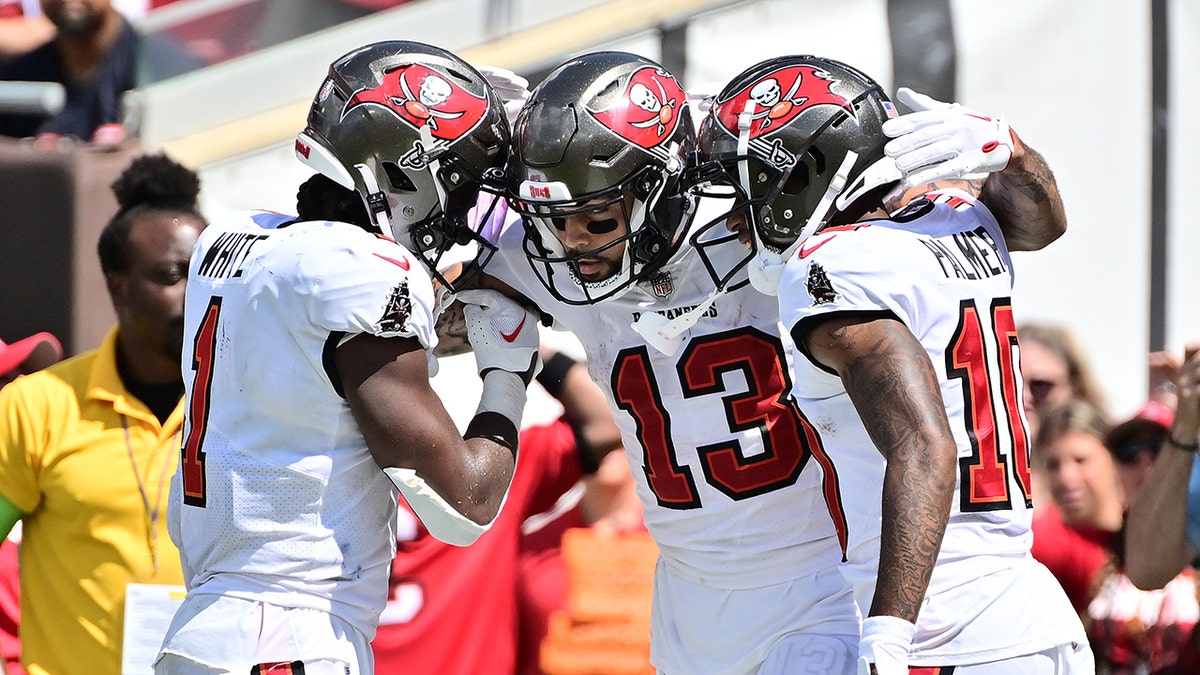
984, 475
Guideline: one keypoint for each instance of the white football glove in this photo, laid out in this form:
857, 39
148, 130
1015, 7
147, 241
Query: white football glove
702, 96
884, 644
511, 87
503, 334
945, 140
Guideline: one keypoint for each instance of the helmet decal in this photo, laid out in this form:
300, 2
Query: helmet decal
649, 108
778, 97
423, 97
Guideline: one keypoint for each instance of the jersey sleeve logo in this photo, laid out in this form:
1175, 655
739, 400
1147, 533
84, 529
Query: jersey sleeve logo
648, 111
779, 97
423, 97
401, 263
808, 248
819, 287
398, 309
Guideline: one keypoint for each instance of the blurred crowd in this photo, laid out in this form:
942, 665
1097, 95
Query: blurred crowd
1089, 469
65, 66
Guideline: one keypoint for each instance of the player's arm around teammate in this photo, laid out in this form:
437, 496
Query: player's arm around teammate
941, 145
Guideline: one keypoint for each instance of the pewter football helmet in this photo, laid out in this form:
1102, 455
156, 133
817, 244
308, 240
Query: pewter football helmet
602, 127
418, 133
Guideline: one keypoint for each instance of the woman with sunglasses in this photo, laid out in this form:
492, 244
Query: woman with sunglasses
1055, 369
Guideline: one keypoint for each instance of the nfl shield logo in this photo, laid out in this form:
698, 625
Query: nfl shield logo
662, 284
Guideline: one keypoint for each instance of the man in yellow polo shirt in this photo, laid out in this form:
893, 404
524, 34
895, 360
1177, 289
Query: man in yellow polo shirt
88, 446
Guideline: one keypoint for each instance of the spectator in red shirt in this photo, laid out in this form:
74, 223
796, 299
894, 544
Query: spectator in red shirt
1130, 630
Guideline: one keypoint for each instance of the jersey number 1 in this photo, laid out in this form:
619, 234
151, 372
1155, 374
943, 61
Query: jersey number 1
204, 351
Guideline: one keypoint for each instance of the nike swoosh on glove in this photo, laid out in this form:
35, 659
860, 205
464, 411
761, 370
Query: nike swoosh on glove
503, 334
945, 140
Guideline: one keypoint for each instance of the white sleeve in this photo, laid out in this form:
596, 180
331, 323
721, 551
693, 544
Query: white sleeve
378, 288
852, 271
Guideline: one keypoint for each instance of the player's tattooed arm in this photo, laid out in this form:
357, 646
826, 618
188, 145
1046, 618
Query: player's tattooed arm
1023, 197
451, 327
893, 385
907, 193
451, 324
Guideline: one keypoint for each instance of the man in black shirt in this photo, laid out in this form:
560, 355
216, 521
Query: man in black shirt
93, 56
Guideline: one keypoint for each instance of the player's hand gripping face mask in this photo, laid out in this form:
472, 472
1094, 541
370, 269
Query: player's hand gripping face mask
418, 133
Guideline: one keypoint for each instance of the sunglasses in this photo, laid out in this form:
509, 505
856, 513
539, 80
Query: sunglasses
1040, 390
1129, 451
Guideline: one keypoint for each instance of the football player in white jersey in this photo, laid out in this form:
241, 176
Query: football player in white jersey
906, 364
308, 371
739, 493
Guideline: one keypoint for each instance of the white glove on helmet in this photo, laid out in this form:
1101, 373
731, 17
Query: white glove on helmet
510, 87
503, 334
945, 140
702, 96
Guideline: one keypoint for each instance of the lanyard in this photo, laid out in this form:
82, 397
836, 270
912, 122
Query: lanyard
151, 512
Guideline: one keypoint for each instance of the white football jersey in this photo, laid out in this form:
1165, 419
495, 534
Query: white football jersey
943, 269
736, 495
277, 498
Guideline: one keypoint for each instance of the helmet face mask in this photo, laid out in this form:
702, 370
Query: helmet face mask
440, 239
602, 128
641, 248
418, 133
799, 139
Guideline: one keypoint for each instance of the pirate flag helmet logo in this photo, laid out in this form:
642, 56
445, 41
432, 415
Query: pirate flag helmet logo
648, 111
424, 97
778, 97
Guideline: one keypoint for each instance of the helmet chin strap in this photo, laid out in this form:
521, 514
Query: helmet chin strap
766, 269
666, 335
434, 165
377, 204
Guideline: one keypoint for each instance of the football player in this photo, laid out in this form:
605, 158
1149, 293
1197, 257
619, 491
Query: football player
905, 360
739, 492
307, 369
